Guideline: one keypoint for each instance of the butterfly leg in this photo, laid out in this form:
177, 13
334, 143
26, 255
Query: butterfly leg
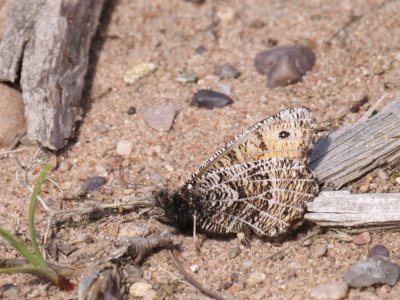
194, 228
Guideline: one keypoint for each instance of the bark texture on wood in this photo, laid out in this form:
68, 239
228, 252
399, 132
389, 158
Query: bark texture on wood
52, 37
15, 37
349, 153
343, 209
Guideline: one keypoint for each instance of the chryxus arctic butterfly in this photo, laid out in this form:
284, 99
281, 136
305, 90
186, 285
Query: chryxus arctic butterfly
258, 181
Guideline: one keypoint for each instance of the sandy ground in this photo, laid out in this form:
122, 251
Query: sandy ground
354, 60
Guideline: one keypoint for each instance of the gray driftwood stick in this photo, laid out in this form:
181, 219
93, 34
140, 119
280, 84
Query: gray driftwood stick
50, 40
343, 209
352, 152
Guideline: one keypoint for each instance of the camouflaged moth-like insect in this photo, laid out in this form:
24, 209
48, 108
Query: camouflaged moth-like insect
258, 181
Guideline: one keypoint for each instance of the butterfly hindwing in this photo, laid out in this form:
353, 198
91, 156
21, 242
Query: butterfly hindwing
267, 196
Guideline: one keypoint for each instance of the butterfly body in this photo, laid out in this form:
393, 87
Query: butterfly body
258, 181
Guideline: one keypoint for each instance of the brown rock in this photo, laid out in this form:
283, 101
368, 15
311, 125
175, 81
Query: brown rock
284, 65
362, 238
12, 119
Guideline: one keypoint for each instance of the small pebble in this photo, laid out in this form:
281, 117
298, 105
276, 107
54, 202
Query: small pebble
227, 71
330, 291
150, 295
247, 264
272, 42
130, 230
319, 250
25, 140
210, 99
12, 118
378, 251
284, 65
235, 252
255, 278
398, 180
160, 117
200, 49
362, 238
64, 166
131, 110
103, 129
372, 271
139, 289
194, 268
382, 174
257, 24
306, 42
88, 239
93, 183
138, 72
101, 171
9, 291
225, 89
195, 1
132, 273
355, 108
187, 78
66, 185
124, 147
66, 249
226, 13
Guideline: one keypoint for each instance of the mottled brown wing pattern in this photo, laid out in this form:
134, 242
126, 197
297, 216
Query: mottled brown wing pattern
267, 196
289, 133
258, 181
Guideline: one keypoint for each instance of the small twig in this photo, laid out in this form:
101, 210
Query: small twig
214, 23
127, 205
193, 281
41, 201
6, 153
174, 276
55, 184
352, 20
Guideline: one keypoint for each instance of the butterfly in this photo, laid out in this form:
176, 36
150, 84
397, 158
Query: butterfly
259, 181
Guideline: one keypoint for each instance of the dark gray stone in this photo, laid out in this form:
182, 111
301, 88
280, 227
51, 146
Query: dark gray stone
93, 183
210, 99
372, 271
378, 251
227, 71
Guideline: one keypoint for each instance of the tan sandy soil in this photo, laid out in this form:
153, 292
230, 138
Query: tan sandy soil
362, 59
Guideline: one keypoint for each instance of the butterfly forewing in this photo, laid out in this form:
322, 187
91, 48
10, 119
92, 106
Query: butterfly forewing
289, 133
266, 196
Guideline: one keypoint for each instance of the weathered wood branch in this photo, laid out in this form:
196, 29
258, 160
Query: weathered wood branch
350, 153
343, 209
50, 40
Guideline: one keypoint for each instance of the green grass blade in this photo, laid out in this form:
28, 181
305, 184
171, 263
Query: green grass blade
19, 245
49, 274
31, 220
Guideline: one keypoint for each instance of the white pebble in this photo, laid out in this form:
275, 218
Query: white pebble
194, 268
138, 72
255, 278
139, 289
124, 147
64, 166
